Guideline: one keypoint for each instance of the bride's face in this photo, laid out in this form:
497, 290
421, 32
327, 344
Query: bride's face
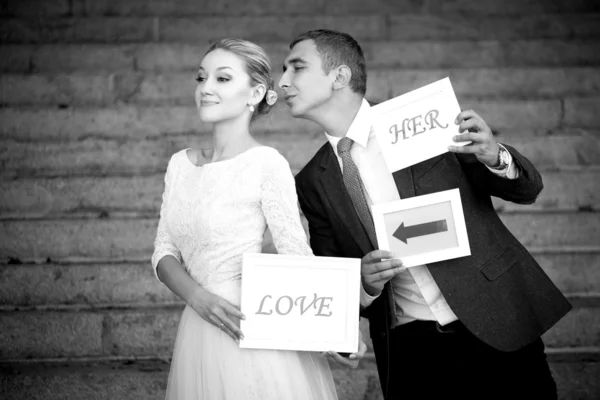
224, 88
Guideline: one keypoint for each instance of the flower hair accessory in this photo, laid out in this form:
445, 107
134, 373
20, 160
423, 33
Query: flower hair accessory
271, 97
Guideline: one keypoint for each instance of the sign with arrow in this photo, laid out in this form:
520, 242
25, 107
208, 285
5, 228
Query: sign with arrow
423, 229
406, 232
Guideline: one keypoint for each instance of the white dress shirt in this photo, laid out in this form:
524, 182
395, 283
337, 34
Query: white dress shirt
416, 294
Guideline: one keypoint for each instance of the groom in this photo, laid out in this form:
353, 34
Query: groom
467, 327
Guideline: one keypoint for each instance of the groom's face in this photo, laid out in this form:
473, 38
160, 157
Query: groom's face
304, 83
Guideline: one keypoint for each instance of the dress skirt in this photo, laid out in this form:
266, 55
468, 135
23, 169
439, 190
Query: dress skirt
208, 365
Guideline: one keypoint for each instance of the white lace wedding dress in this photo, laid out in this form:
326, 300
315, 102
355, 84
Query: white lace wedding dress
209, 217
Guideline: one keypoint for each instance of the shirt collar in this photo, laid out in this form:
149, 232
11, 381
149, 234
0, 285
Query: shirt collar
359, 130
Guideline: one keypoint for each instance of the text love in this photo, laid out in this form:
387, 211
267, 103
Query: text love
285, 304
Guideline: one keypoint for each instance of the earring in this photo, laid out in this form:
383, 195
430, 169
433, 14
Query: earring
251, 108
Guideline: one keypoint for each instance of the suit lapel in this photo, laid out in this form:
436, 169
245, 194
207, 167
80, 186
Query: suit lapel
404, 183
332, 185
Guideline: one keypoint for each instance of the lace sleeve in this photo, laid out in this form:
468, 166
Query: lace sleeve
163, 245
279, 204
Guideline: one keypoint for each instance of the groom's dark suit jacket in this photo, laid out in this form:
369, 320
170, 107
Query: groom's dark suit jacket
499, 293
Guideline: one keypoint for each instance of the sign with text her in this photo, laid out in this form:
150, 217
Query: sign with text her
418, 125
300, 302
423, 229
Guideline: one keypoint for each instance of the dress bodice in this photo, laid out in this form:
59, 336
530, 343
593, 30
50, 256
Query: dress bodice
212, 214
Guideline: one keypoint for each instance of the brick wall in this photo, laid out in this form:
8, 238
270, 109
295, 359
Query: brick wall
96, 95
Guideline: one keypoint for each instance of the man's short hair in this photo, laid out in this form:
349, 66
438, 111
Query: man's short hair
338, 48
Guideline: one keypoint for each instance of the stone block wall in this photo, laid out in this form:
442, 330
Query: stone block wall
95, 96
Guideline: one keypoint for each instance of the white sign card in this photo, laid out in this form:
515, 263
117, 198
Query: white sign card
423, 229
300, 303
418, 125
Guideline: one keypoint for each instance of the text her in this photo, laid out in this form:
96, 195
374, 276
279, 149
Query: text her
412, 126
285, 304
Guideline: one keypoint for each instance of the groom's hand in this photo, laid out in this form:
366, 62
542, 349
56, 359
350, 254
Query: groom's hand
377, 268
483, 144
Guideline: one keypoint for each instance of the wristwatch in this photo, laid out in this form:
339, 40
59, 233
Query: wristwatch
503, 156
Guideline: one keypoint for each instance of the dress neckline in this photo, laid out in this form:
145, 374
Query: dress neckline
208, 164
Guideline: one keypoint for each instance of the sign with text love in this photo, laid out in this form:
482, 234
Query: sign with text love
418, 125
423, 229
300, 302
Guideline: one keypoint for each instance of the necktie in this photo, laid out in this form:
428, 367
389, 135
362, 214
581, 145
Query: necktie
354, 187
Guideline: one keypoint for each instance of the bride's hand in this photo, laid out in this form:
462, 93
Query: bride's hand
353, 359
218, 311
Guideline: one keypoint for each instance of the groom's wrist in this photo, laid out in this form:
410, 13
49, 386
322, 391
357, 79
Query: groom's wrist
372, 292
367, 298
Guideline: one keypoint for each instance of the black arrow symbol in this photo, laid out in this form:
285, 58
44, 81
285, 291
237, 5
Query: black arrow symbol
406, 232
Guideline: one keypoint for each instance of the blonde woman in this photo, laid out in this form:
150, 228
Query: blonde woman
216, 206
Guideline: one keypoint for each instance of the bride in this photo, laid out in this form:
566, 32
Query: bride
216, 206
